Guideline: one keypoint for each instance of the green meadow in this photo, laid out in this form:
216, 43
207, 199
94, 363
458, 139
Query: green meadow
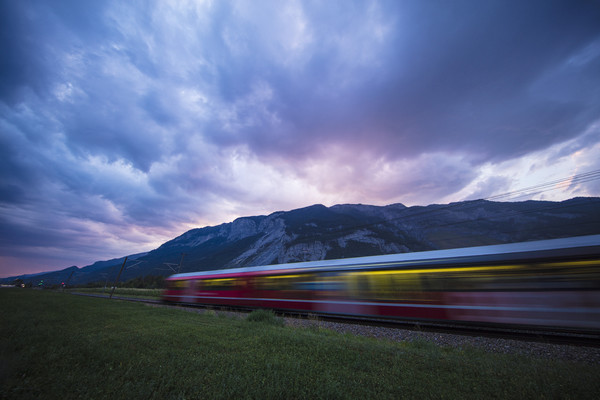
61, 346
120, 292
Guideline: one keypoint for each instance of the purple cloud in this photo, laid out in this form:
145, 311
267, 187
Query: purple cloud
123, 125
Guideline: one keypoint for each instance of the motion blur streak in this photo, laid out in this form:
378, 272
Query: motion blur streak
553, 283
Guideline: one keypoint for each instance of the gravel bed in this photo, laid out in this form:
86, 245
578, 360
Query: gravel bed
590, 355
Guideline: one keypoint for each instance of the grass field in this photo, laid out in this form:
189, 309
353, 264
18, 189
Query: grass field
125, 292
57, 345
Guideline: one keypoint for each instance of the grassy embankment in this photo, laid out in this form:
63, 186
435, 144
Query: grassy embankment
55, 345
122, 292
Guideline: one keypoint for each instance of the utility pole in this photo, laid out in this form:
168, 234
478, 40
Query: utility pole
108, 277
117, 280
67, 283
180, 263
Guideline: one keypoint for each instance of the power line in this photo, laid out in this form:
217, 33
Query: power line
428, 210
551, 185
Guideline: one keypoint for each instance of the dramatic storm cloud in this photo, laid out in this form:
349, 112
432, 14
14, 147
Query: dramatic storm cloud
123, 124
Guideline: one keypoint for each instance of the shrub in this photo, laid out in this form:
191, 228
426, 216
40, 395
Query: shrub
265, 317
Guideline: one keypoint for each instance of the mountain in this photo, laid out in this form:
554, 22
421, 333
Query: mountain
46, 278
100, 270
351, 230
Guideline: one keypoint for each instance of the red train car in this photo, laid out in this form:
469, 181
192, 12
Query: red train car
553, 283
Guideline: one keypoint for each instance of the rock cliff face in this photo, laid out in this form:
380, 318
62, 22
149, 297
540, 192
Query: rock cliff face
351, 230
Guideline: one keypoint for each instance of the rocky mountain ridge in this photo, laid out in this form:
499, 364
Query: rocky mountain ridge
351, 230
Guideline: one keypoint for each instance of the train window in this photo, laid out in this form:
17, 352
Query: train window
179, 284
220, 284
363, 284
562, 276
406, 282
549, 276
472, 278
414, 284
392, 285
280, 282
357, 284
288, 283
571, 275
383, 287
432, 282
265, 283
305, 282
329, 284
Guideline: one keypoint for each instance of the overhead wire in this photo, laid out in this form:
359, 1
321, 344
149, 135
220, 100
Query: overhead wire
466, 205
551, 185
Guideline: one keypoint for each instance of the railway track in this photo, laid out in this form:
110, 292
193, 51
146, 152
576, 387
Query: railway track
520, 333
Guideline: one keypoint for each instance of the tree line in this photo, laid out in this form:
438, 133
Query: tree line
140, 282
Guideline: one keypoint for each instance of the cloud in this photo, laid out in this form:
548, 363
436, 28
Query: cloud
123, 125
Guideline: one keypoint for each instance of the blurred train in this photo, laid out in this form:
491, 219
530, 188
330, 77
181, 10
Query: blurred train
554, 283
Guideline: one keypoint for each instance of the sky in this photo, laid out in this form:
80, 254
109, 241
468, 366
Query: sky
124, 124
